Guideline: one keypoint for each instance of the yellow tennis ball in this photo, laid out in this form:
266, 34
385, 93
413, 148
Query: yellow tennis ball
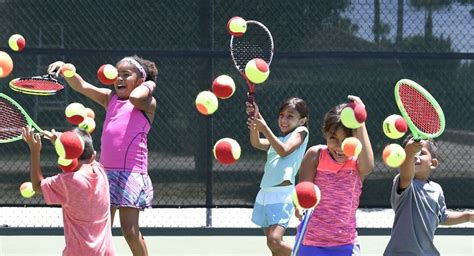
26, 190
6, 64
110, 72
206, 103
394, 126
257, 71
75, 113
393, 155
87, 125
236, 26
16, 42
351, 146
68, 70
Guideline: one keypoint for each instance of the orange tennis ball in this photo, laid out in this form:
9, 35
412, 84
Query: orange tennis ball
87, 125
226, 151
69, 145
6, 64
306, 195
236, 26
394, 126
107, 74
257, 71
16, 42
351, 146
206, 103
68, 165
353, 115
75, 113
393, 155
68, 70
90, 113
223, 86
26, 190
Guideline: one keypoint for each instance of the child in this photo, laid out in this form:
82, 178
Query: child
273, 206
83, 195
419, 203
130, 110
331, 229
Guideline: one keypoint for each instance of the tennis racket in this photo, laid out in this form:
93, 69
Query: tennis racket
302, 231
13, 118
421, 111
37, 85
256, 42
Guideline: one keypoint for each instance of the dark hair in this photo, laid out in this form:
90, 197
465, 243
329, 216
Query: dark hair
297, 104
332, 121
432, 145
88, 145
150, 67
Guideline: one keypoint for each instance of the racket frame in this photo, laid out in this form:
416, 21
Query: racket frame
30, 91
417, 133
302, 232
29, 121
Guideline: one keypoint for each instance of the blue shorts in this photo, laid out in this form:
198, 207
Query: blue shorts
342, 250
273, 206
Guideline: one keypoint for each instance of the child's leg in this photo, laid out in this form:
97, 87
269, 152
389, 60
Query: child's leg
275, 242
112, 215
131, 232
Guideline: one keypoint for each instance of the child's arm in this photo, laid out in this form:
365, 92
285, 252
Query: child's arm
309, 164
458, 218
99, 95
255, 140
407, 169
366, 157
34, 143
142, 97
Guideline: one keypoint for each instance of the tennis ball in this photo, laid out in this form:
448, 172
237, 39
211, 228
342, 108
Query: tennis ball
69, 145
223, 86
394, 126
257, 71
353, 115
393, 155
206, 103
68, 70
351, 146
90, 113
87, 125
236, 26
6, 64
306, 195
68, 165
107, 74
16, 42
226, 151
26, 190
75, 113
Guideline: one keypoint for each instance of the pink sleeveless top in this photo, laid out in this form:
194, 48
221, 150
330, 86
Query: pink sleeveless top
124, 137
333, 222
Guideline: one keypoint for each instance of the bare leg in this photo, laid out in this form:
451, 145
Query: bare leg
131, 232
275, 242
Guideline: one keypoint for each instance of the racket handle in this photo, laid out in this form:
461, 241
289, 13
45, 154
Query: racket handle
251, 100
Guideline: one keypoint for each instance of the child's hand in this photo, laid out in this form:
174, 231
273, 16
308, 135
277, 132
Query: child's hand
249, 108
54, 68
32, 139
356, 99
51, 135
299, 213
412, 147
260, 123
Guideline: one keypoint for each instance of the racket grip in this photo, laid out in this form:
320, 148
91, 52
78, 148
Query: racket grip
251, 100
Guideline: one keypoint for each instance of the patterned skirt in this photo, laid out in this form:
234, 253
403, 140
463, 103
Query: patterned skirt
130, 189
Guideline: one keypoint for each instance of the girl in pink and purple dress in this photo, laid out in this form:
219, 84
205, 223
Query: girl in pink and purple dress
130, 110
331, 229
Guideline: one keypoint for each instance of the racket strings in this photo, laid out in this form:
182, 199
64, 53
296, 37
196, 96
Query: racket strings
256, 42
40, 84
420, 110
12, 121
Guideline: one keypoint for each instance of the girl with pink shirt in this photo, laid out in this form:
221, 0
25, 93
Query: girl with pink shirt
331, 228
130, 110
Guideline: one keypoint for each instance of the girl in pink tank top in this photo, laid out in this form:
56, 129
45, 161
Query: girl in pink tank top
331, 227
124, 152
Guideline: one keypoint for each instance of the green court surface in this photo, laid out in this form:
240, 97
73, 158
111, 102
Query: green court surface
213, 245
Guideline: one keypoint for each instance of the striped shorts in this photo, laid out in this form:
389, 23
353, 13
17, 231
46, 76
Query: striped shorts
130, 189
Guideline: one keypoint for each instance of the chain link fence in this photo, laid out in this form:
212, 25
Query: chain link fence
324, 50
